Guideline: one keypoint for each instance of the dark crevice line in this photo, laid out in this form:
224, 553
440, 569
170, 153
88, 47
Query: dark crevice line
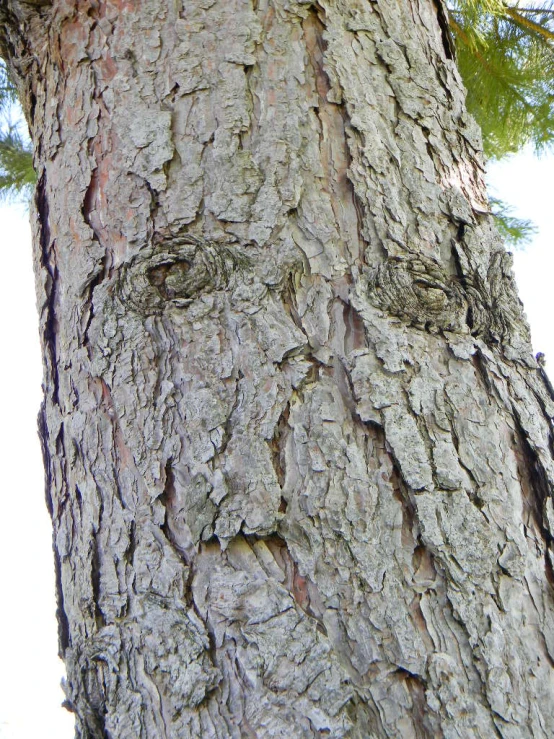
535, 489
316, 48
46, 250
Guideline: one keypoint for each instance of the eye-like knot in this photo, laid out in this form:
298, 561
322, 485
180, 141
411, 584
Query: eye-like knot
418, 290
182, 278
176, 272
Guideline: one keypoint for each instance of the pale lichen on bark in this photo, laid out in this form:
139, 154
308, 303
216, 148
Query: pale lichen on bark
298, 451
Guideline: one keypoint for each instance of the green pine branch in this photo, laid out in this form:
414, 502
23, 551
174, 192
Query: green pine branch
17, 175
505, 54
515, 231
8, 92
506, 59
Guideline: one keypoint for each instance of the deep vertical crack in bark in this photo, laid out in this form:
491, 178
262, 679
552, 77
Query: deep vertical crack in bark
536, 492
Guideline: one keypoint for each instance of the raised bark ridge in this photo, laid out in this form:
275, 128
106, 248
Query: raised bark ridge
298, 451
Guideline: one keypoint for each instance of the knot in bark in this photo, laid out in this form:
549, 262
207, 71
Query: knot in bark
495, 310
179, 270
418, 290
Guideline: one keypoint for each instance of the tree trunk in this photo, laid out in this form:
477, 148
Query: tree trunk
299, 456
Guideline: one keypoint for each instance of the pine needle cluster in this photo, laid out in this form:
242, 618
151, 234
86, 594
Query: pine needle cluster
505, 54
17, 175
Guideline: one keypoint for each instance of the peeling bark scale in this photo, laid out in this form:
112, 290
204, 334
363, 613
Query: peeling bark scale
299, 456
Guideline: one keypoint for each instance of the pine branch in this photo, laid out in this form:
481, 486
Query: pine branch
507, 61
506, 58
8, 91
516, 231
17, 176
535, 10
529, 24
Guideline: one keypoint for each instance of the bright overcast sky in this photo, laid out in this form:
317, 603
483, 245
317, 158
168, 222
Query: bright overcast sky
30, 675
526, 183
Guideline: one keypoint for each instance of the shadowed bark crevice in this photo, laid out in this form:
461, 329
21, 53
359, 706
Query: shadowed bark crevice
301, 588
335, 130
447, 40
535, 491
48, 261
95, 579
277, 445
97, 280
172, 526
63, 623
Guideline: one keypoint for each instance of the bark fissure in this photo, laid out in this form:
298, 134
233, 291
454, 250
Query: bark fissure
49, 263
536, 492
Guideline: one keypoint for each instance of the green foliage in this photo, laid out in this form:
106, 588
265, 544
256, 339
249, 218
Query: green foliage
17, 175
8, 93
506, 58
505, 54
516, 231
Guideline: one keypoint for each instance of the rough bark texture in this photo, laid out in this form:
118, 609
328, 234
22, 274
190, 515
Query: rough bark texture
298, 452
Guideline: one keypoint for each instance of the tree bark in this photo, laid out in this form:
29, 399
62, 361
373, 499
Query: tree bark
298, 453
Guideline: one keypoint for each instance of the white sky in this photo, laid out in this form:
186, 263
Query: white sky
31, 672
527, 183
